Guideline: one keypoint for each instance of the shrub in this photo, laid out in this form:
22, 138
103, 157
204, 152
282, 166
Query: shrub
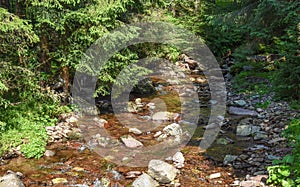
286, 172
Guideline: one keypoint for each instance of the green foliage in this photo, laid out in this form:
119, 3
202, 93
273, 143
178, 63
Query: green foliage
16, 38
263, 105
23, 124
286, 172
250, 78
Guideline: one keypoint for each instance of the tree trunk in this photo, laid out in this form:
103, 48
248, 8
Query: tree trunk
66, 76
196, 6
173, 4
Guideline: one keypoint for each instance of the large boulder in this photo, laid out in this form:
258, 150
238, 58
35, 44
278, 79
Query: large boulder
161, 171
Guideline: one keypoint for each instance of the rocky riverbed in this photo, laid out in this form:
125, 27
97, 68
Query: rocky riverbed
249, 139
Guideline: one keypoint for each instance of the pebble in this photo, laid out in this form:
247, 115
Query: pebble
59, 180
135, 131
49, 153
214, 176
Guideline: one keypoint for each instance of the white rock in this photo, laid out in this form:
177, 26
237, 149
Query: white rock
49, 153
11, 180
72, 119
173, 129
100, 122
130, 142
162, 116
214, 176
135, 131
144, 180
162, 171
157, 134
161, 137
178, 157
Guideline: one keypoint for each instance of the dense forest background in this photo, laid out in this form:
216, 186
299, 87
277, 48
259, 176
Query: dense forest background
42, 42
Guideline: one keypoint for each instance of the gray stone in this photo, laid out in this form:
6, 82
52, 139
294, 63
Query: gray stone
162, 171
240, 103
229, 158
272, 157
243, 130
255, 129
11, 180
130, 142
259, 110
260, 136
144, 181
241, 111
173, 129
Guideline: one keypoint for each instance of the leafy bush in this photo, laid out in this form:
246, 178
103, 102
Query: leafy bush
286, 172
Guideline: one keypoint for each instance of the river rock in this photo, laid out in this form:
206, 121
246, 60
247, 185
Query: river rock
59, 180
178, 157
260, 136
162, 171
255, 129
135, 131
240, 103
49, 153
11, 180
214, 176
130, 142
173, 129
144, 181
72, 120
250, 183
243, 130
229, 158
162, 116
241, 111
